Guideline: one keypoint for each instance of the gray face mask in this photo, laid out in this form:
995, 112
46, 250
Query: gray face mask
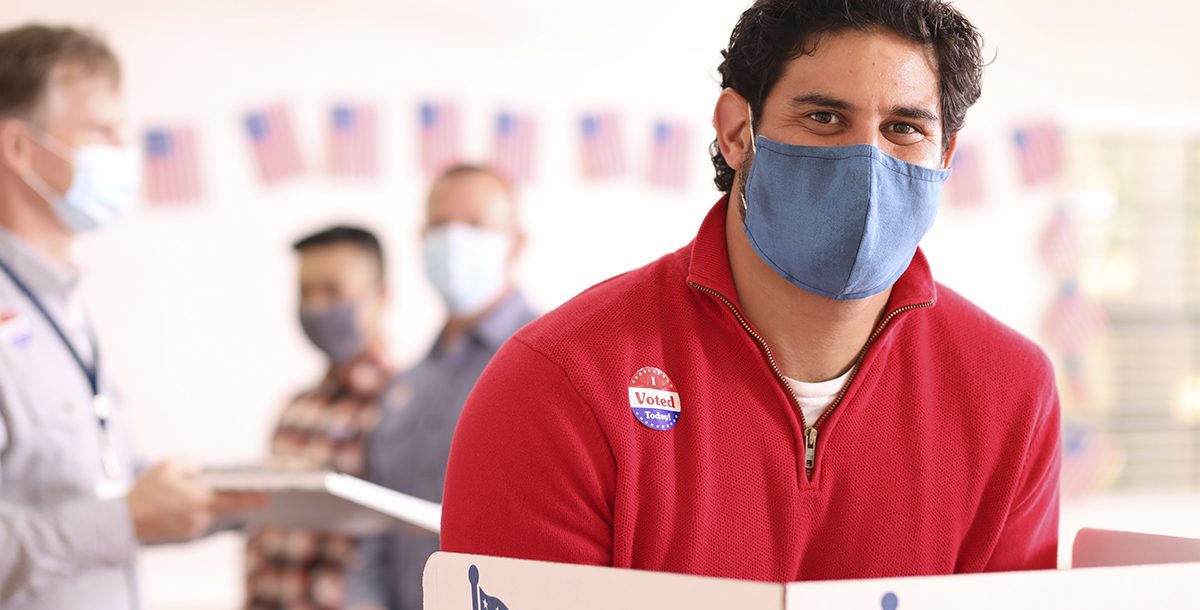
334, 330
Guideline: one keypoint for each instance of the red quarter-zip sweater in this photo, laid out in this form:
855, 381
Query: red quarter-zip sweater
942, 455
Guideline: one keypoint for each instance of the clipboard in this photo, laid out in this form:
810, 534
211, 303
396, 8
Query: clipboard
327, 501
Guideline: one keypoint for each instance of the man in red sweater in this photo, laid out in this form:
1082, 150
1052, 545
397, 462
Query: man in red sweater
791, 396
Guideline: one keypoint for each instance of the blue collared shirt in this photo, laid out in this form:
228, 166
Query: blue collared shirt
409, 449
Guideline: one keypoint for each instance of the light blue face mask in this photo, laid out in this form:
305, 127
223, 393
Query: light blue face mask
467, 265
104, 183
842, 222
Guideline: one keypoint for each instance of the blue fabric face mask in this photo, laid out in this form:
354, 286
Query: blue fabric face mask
842, 222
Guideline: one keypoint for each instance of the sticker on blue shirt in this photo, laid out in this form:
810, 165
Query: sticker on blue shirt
654, 399
14, 329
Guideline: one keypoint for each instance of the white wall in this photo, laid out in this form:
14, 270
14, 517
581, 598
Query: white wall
196, 304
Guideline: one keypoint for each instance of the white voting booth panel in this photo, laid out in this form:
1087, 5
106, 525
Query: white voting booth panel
1165, 587
469, 582
474, 582
1096, 548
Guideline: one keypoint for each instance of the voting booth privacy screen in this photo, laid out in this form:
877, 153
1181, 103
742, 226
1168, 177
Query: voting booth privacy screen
473, 582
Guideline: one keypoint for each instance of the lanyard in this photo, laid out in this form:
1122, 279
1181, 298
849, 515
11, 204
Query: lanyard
100, 404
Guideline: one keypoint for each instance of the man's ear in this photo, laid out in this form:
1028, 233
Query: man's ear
15, 147
948, 158
731, 119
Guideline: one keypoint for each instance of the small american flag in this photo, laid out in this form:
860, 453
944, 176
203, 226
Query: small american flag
274, 143
669, 155
354, 140
513, 146
172, 166
439, 137
1073, 321
1058, 245
1039, 150
965, 187
601, 149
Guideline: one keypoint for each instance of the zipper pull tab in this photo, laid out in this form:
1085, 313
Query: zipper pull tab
810, 448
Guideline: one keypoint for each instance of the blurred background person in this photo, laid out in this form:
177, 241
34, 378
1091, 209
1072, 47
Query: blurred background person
73, 510
471, 241
343, 298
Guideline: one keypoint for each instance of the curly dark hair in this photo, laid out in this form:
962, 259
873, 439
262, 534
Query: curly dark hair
773, 32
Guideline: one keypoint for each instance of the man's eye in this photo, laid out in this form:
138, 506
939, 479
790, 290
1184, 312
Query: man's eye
825, 118
904, 129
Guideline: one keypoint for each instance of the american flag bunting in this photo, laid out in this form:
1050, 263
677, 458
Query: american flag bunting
669, 155
601, 147
514, 146
353, 140
439, 137
172, 166
1039, 148
276, 151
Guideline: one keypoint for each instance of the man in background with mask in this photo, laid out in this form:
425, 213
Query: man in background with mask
73, 511
471, 241
343, 300
791, 396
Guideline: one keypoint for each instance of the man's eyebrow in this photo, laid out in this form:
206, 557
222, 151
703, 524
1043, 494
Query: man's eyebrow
828, 101
913, 112
821, 99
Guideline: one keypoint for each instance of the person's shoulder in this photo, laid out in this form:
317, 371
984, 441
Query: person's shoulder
975, 335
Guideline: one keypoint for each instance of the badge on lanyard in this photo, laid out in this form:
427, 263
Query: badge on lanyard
114, 484
108, 454
654, 399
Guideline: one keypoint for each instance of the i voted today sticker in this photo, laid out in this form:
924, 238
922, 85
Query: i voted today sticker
654, 399
14, 329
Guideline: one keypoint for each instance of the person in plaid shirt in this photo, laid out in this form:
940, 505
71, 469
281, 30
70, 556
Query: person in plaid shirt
343, 297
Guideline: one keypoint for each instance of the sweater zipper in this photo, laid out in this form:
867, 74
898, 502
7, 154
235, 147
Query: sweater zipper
810, 432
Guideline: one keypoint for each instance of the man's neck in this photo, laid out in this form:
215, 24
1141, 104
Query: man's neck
44, 235
457, 327
812, 338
